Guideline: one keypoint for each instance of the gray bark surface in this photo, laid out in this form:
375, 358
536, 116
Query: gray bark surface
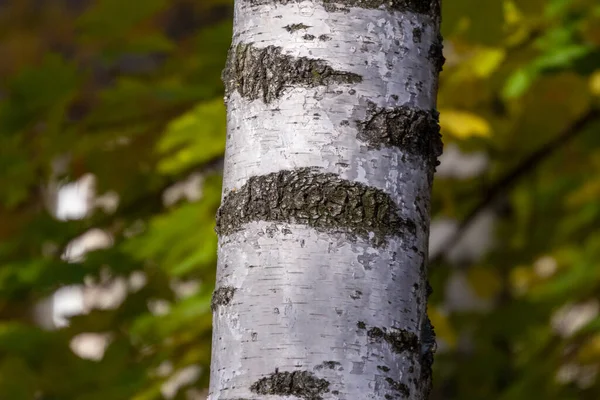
332, 143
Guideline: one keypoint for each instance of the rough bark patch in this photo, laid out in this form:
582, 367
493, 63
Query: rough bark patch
265, 72
328, 365
222, 297
428, 346
400, 340
399, 387
436, 53
295, 27
427, 7
302, 384
415, 131
417, 32
323, 201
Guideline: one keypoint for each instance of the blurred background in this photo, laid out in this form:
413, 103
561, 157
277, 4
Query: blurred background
112, 131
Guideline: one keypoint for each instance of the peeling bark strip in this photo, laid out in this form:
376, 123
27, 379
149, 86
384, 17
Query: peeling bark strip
427, 7
321, 200
302, 384
222, 297
415, 131
265, 73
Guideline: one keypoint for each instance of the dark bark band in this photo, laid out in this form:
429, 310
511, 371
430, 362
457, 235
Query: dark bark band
263, 73
426, 7
414, 131
321, 200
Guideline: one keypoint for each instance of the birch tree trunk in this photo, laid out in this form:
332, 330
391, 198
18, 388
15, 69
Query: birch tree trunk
323, 229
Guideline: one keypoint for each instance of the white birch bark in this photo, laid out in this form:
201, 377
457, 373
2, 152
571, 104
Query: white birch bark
332, 143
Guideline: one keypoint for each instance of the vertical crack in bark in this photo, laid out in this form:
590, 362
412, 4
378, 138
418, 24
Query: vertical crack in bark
302, 384
323, 201
265, 72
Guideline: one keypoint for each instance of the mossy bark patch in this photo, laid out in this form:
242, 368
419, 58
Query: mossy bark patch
323, 201
413, 130
265, 72
222, 297
302, 384
427, 7
399, 340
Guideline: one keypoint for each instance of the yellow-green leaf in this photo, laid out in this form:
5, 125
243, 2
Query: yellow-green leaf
595, 83
193, 138
463, 124
442, 326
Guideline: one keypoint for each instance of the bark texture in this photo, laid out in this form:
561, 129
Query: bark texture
332, 143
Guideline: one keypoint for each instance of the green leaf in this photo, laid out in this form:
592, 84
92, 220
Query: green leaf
561, 57
194, 138
519, 82
182, 240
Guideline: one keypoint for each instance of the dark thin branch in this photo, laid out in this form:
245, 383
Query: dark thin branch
522, 169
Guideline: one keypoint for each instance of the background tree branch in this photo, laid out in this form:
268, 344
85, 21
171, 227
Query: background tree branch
512, 177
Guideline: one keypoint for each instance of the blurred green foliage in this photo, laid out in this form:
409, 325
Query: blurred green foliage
130, 92
521, 84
